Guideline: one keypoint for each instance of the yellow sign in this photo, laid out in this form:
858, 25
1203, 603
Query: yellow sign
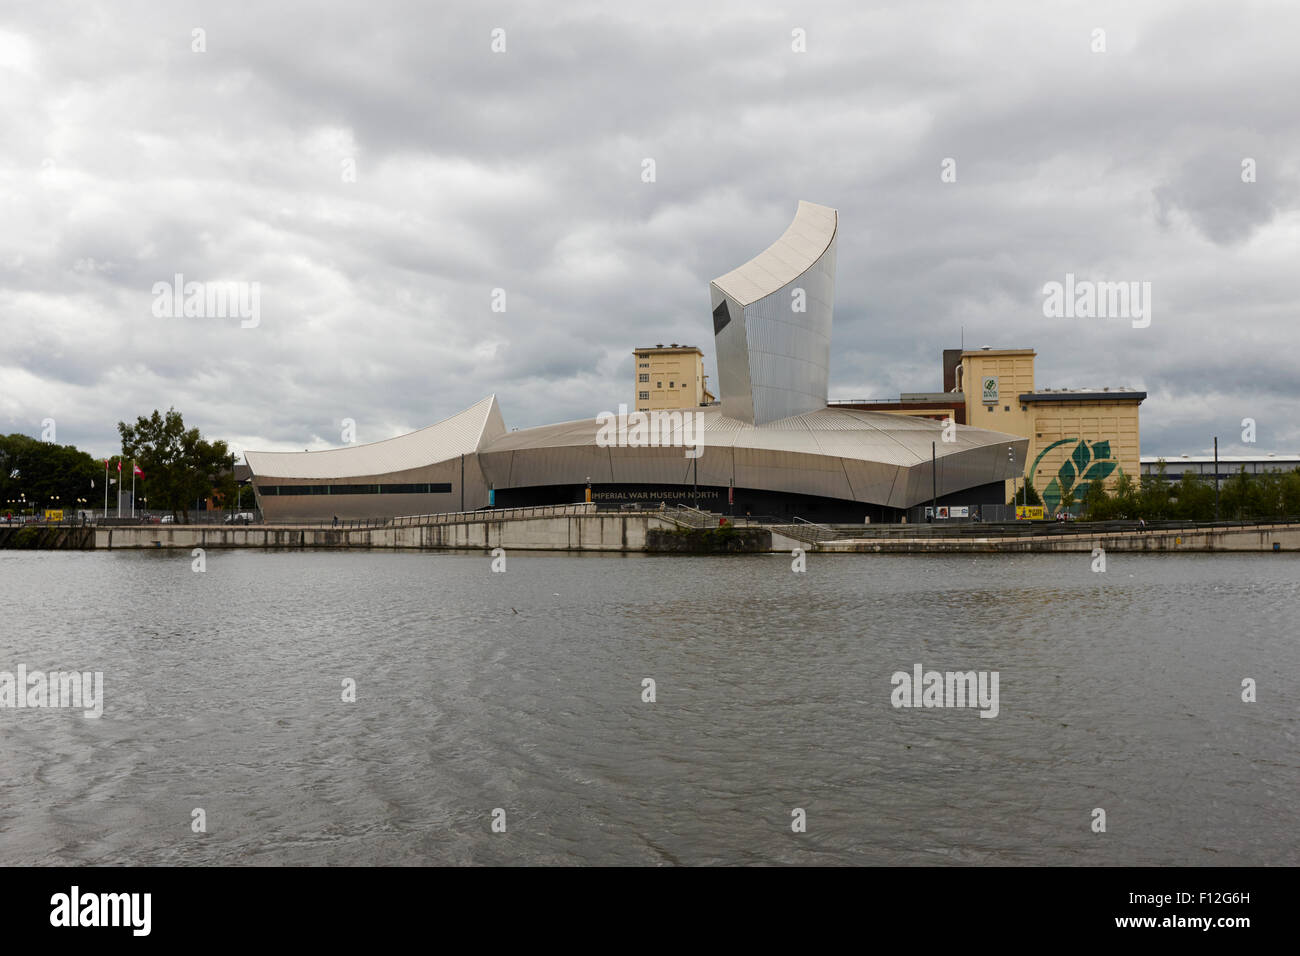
1033, 512
53, 514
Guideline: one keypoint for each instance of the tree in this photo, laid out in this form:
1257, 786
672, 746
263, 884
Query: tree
180, 465
1126, 497
1026, 494
1265, 496
1097, 505
1154, 495
1235, 495
1193, 498
1289, 493
37, 475
1067, 499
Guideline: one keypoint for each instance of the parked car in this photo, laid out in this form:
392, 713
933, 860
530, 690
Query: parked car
243, 517
168, 519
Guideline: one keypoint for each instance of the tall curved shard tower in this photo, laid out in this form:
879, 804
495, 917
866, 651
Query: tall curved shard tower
772, 323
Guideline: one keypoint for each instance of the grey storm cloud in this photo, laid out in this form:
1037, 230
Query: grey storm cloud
129, 158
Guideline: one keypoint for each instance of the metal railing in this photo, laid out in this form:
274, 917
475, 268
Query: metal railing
793, 526
806, 530
495, 514
343, 524
867, 401
167, 519
797, 528
802, 529
70, 521
687, 516
448, 517
1043, 529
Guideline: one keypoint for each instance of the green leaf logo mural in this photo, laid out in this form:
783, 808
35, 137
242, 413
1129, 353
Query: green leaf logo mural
1085, 463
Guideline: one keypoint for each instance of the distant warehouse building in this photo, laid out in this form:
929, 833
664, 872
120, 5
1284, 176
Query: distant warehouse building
771, 447
1228, 465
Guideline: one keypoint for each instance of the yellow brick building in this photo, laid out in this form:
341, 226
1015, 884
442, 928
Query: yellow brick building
670, 377
1076, 436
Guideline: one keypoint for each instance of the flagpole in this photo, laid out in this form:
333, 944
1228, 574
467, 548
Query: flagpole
132, 487
105, 487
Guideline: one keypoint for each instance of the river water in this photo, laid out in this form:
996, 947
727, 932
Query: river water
523, 691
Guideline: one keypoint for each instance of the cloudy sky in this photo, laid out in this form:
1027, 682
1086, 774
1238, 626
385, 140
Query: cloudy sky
377, 169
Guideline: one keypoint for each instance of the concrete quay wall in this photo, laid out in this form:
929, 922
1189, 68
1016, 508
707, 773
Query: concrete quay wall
586, 532
1280, 537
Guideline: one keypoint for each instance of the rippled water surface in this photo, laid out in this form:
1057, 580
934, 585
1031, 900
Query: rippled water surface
523, 691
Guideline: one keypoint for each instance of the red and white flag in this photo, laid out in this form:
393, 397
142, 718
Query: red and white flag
137, 469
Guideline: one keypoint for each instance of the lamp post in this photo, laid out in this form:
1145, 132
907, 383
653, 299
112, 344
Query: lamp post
934, 483
1015, 489
239, 491
1216, 477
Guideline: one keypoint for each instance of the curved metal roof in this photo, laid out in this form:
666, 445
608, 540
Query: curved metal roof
839, 432
800, 246
832, 452
843, 453
461, 434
